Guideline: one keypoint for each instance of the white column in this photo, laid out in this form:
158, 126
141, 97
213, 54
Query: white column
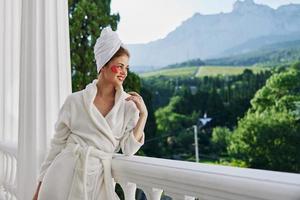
45, 81
8, 29
10, 22
15, 72
9, 68
2, 50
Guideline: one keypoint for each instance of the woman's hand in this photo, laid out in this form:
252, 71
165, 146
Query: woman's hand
36, 195
139, 102
140, 125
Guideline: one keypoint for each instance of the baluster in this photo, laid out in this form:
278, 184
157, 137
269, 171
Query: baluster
189, 197
5, 169
10, 169
1, 168
154, 194
2, 192
129, 190
14, 171
6, 194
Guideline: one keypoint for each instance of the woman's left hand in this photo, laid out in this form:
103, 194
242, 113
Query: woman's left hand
139, 102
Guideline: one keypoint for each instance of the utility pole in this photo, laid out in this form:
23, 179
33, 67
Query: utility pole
196, 142
203, 122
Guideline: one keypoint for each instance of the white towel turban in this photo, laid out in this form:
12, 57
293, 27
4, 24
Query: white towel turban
106, 46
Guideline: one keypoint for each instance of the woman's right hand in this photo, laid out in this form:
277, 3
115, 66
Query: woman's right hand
36, 195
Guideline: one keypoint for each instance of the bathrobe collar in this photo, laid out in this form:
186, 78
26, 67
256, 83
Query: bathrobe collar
89, 94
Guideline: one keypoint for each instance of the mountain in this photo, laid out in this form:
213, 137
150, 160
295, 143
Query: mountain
210, 36
273, 54
260, 42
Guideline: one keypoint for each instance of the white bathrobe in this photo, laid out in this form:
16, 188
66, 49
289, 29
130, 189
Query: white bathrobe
78, 164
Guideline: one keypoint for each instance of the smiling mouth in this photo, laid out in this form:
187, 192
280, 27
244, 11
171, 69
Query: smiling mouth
121, 78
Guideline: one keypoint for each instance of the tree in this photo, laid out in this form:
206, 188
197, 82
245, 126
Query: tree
168, 120
280, 92
268, 137
132, 82
268, 141
150, 148
87, 18
220, 140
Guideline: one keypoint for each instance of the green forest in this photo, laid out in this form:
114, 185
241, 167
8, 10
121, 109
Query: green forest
255, 118
255, 114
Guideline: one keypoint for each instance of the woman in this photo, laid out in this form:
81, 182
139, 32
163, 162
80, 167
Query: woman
93, 124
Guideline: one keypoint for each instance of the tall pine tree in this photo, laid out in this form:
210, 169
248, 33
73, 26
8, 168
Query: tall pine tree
87, 18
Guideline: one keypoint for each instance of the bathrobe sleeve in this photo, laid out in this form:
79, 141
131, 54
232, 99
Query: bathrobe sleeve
129, 144
58, 142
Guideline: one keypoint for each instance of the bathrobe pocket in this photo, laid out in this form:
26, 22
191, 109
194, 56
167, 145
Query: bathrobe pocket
59, 176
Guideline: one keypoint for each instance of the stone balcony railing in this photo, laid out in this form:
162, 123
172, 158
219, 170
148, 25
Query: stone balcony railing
8, 171
188, 180
177, 179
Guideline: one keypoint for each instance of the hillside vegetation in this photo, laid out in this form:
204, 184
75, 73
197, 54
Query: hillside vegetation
182, 71
201, 71
225, 71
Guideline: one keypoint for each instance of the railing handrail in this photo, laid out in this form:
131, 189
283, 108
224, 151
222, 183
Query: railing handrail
180, 178
206, 180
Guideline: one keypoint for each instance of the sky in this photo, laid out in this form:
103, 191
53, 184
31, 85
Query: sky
143, 21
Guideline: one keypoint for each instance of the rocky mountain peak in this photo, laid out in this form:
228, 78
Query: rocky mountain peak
249, 5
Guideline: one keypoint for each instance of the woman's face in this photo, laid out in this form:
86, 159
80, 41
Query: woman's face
116, 70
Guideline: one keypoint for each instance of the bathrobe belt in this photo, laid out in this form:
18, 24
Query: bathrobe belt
79, 183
